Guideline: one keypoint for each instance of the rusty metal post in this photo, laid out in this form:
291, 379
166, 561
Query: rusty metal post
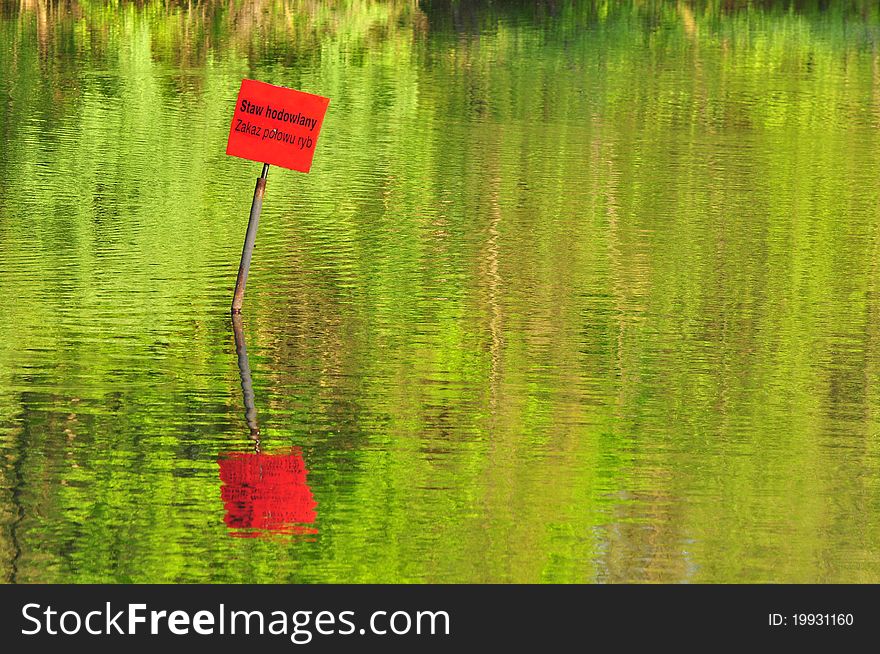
250, 237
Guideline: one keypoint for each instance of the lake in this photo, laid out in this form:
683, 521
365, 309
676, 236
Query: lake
574, 292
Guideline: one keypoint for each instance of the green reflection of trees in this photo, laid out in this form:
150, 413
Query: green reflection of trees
575, 291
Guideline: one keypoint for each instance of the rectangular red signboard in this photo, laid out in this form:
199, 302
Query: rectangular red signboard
276, 125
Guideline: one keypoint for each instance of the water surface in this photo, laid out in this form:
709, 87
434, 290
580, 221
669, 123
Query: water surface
581, 293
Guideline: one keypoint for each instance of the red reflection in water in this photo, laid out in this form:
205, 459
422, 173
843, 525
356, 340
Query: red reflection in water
266, 494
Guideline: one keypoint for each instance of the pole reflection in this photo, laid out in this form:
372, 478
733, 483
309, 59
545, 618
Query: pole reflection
247, 386
263, 494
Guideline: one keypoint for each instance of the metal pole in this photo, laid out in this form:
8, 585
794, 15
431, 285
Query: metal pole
250, 237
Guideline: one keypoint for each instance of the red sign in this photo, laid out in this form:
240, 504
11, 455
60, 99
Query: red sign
266, 494
276, 125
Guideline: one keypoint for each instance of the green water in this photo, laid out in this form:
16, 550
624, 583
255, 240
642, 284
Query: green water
587, 292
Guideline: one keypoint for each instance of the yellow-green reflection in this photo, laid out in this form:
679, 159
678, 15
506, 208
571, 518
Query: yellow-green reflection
587, 292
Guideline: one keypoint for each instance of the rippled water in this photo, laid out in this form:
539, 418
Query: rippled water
587, 292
